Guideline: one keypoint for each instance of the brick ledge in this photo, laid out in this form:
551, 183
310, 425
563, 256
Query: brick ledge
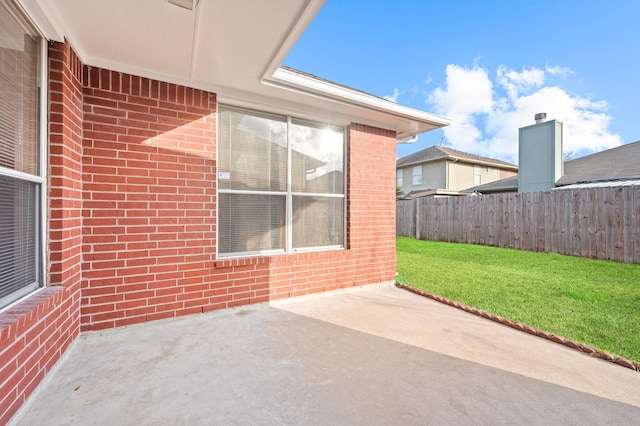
33, 303
589, 350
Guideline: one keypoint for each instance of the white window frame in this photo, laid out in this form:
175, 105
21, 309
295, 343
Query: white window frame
399, 178
289, 193
477, 175
41, 178
416, 178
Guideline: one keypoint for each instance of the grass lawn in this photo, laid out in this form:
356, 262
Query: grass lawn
591, 301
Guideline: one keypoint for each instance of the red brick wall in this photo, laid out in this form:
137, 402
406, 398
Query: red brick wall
506, 173
372, 201
148, 199
35, 332
133, 212
149, 211
65, 165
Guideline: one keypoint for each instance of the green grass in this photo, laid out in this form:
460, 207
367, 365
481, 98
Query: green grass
591, 301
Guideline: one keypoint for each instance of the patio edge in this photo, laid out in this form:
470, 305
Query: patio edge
572, 344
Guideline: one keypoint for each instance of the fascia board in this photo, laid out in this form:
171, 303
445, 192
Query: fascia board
290, 80
483, 163
456, 159
43, 17
305, 18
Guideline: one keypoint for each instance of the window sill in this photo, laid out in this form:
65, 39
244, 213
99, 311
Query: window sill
21, 314
273, 258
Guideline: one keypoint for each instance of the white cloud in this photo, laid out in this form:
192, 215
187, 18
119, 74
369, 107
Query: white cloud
518, 82
394, 97
487, 115
468, 92
558, 70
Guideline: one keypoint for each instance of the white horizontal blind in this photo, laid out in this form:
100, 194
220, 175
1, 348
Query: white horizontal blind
317, 183
318, 221
252, 152
266, 204
20, 178
18, 237
251, 222
19, 100
252, 182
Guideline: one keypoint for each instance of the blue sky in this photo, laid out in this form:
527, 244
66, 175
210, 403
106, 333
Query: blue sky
489, 66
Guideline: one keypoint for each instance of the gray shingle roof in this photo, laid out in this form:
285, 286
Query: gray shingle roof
509, 184
315, 77
601, 184
622, 162
615, 164
435, 152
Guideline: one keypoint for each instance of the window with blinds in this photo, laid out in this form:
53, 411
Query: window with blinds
281, 184
21, 180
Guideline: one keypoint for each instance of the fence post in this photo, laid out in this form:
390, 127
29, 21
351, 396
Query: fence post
417, 215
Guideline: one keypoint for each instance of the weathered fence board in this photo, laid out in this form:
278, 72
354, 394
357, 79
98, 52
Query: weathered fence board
602, 223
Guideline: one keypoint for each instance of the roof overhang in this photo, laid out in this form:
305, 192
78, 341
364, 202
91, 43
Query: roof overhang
455, 159
435, 193
232, 48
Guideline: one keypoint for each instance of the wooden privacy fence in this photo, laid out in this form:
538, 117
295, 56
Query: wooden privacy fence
602, 223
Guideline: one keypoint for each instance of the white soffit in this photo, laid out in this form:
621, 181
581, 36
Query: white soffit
231, 47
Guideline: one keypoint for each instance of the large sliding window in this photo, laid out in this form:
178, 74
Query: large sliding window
280, 184
21, 172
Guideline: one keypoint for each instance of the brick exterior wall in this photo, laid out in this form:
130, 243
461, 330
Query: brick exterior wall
371, 199
148, 199
35, 332
133, 213
149, 211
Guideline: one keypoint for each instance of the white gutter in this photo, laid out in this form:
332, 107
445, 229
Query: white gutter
412, 139
303, 83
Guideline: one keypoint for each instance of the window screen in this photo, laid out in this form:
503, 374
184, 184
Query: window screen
20, 178
280, 183
251, 222
317, 221
18, 237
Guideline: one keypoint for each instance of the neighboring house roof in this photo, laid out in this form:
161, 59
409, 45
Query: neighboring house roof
622, 162
430, 193
232, 48
509, 184
613, 166
603, 184
435, 153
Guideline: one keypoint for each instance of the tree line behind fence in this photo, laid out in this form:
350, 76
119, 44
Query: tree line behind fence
601, 223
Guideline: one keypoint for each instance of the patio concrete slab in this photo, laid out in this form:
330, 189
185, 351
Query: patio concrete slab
376, 355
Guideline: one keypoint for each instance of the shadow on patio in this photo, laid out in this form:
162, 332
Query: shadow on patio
374, 355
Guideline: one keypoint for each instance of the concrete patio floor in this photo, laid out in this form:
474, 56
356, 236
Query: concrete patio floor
375, 355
